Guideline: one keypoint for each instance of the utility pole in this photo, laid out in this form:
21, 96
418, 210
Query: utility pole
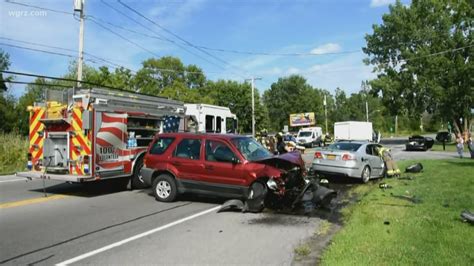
252, 80
79, 7
364, 87
326, 113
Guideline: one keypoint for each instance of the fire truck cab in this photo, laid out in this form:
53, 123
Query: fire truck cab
96, 134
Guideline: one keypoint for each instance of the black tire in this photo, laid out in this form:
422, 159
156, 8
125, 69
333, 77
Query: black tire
365, 176
164, 188
137, 180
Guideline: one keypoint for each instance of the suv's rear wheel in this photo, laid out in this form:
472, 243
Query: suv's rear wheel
164, 188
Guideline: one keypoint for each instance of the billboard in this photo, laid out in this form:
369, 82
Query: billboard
302, 119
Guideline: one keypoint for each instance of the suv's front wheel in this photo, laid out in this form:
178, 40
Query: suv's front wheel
164, 188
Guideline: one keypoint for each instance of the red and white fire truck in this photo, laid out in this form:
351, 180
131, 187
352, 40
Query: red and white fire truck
96, 134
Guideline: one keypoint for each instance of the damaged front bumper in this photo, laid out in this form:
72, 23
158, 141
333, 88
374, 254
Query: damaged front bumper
261, 196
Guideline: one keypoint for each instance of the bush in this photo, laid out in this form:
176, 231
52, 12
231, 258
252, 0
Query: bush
13, 152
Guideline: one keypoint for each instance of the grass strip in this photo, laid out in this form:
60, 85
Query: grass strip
415, 222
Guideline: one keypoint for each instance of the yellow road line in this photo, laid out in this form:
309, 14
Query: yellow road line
30, 201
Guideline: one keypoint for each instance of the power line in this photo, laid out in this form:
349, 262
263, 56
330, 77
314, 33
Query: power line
108, 61
125, 39
171, 41
176, 35
158, 36
57, 78
277, 54
39, 7
35, 83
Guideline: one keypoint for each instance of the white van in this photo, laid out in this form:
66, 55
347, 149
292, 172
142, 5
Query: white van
309, 136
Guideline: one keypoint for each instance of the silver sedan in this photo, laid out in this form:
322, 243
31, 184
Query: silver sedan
351, 159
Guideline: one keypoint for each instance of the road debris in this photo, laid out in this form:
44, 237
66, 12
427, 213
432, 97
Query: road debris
467, 216
384, 186
414, 168
412, 199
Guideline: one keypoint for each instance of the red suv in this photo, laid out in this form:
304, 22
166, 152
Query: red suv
216, 164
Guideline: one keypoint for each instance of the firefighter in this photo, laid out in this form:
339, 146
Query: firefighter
392, 167
280, 145
327, 139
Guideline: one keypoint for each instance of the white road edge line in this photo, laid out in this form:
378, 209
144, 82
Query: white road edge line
119, 243
14, 180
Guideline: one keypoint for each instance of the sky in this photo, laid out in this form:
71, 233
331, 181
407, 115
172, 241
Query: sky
328, 37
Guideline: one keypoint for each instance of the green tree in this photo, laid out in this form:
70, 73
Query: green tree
7, 101
238, 97
293, 95
423, 53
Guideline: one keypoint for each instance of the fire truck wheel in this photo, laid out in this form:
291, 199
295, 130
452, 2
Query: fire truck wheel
137, 179
164, 188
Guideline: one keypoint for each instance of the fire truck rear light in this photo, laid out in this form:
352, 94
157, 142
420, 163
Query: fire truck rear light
40, 134
29, 164
86, 159
78, 147
318, 155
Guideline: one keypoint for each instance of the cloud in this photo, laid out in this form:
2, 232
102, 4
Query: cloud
326, 48
379, 3
174, 16
346, 72
293, 70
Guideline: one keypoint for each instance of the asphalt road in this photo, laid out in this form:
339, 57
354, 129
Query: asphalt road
99, 225
75, 220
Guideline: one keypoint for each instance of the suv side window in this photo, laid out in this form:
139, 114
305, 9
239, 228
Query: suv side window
188, 149
161, 145
214, 147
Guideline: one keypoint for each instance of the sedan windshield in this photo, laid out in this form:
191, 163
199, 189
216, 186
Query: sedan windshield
344, 146
251, 149
305, 134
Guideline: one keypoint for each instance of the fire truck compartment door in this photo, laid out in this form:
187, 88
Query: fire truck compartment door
56, 150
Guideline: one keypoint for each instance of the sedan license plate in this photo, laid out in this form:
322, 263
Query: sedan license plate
331, 157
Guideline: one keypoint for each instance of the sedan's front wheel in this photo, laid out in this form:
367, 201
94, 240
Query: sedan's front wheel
365, 174
164, 188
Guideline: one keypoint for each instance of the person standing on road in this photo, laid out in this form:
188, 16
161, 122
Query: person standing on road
470, 146
281, 146
460, 145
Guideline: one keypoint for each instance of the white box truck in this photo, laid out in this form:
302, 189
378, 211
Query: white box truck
353, 130
309, 136
206, 118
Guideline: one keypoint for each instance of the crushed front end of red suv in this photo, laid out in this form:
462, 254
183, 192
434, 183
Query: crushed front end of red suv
230, 166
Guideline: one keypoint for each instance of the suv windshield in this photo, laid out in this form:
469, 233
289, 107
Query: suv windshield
305, 134
251, 149
344, 146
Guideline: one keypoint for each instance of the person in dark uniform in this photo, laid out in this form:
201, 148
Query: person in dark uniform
281, 146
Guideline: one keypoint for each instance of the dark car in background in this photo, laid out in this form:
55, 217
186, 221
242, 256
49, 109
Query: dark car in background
444, 136
419, 143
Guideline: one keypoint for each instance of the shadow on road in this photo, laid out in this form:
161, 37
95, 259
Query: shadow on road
88, 190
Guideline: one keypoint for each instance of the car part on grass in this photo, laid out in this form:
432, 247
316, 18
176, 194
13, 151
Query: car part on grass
384, 186
406, 177
414, 168
467, 216
412, 199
